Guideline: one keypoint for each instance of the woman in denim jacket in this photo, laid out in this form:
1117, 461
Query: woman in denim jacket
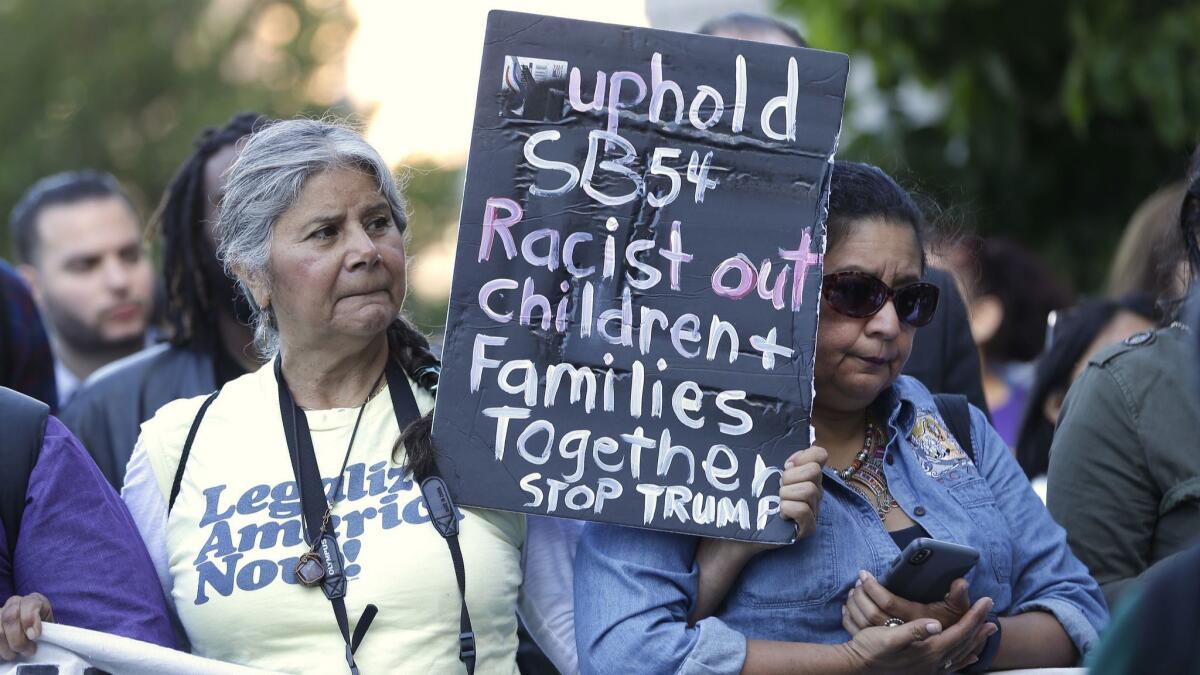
894, 473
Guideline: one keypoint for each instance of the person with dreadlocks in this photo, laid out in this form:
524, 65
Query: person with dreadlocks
208, 318
1124, 472
299, 495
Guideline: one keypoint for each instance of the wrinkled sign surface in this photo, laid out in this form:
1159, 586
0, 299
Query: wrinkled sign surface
631, 326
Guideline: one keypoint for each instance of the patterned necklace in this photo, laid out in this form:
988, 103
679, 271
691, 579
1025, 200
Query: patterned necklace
865, 474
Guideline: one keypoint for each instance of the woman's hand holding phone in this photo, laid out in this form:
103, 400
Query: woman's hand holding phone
870, 604
919, 646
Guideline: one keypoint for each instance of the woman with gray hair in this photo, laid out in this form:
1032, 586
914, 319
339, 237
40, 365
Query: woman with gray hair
309, 472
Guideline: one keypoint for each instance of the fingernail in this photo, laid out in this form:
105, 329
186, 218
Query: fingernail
858, 583
933, 627
862, 574
973, 659
30, 633
789, 464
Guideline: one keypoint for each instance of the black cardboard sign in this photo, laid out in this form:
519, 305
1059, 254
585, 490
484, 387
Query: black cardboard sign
632, 320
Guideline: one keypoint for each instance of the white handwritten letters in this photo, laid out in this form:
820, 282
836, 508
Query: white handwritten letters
632, 321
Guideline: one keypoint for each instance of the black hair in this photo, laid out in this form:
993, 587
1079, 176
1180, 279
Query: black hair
193, 276
1189, 217
1074, 331
1189, 222
1027, 289
61, 188
860, 192
745, 23
409, 347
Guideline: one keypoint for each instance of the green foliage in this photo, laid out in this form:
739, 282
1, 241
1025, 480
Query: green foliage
1060, 117
125, 86
434, 197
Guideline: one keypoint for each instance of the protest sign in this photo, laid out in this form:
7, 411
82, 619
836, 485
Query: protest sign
68, 650
633, 313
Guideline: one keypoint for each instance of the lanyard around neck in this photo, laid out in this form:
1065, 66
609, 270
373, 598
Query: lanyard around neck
312, 498
299, 438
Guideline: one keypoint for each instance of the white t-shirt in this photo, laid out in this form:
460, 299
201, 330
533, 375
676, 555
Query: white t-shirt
66, 382
234, 535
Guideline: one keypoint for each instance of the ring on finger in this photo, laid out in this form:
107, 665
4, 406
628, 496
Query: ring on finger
892, 622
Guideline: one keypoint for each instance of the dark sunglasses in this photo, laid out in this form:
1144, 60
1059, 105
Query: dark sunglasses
860, 295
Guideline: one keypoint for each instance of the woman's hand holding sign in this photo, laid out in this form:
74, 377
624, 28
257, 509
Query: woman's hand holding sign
800, 489
722, 560
21, 624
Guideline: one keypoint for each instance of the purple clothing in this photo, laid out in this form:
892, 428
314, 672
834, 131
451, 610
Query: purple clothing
79, 547
1007, 418
26, 364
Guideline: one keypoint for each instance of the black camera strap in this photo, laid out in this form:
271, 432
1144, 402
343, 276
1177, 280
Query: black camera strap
312, 497
442, 513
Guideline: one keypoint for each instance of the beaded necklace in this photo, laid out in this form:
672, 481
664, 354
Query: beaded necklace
865, 474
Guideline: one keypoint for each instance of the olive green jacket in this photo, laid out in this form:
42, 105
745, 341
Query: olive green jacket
1125, 463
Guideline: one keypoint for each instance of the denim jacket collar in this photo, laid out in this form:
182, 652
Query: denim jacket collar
898, 403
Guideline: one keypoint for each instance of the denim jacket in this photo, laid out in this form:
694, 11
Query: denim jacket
633, 588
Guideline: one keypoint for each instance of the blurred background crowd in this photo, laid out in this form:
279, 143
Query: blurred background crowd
1046, 126
1050, 145
1043, 125
1047, 142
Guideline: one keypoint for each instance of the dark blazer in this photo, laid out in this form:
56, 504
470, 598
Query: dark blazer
944, 356
107, 412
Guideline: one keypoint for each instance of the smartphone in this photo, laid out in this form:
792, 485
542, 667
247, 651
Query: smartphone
926, 567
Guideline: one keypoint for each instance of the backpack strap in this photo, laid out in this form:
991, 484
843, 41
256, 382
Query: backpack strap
187, 450
956, 412
23, 420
